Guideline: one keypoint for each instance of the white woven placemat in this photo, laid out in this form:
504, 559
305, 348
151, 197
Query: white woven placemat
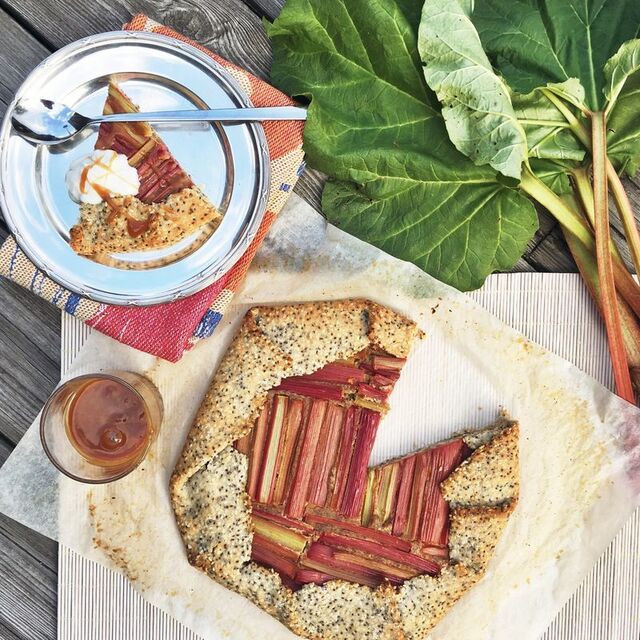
555, 311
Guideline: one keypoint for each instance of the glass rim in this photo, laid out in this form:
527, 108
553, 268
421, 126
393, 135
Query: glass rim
47, 407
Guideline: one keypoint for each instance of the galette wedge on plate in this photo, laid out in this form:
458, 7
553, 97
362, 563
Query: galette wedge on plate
165, 205
274, 496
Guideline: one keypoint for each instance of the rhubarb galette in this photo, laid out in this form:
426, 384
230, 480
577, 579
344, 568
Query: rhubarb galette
274, 496
162, 208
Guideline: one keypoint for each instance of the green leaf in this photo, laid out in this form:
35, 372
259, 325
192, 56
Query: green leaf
622, 73
623, 128
547, 131
554, 173
376, 129
619, 68
476, 104
570, 90
535, 42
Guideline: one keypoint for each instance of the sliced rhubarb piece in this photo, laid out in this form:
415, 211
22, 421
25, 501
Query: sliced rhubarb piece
438, 553
302, 479
283, 536
421, 474
274, 560
269, 545
387, 364
289, 440
311, 389
434, 528
243, 445
320, 558
271, 448
386, 494
373, 477
324, 523
351, 505
370, 405
339, 373
347, 443
306, 576
392, 572
283, 521
383, 382
401, 516
372, 393
376, 550
326, 454
255, 463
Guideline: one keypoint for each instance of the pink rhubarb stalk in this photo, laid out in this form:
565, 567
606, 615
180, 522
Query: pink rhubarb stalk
272, 449
302, 479
610, 310
351, 505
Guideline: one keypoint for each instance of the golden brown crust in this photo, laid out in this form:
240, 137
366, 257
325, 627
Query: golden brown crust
474, 533
490, 476
104, 228
207, 488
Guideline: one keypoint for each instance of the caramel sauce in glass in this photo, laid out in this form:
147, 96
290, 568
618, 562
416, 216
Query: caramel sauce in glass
107, 423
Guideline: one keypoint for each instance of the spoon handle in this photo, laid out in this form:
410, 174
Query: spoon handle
247, 114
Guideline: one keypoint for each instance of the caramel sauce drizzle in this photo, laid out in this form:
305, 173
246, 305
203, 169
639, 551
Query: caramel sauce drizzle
135, 227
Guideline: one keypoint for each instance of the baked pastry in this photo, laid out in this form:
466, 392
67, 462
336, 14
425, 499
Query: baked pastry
167, 206
274, 498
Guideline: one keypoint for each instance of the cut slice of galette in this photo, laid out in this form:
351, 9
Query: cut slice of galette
275, 498
166, 207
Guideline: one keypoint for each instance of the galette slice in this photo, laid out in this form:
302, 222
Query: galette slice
162, 208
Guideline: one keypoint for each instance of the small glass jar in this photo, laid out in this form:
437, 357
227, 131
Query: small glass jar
97, 428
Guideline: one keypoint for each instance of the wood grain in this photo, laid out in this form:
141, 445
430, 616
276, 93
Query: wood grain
28, 582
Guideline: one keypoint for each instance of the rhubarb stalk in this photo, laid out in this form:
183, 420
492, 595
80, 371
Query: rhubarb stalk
326, 454
401, 515
574, 224
604, 259
289, 439
347, 443
272, 447
630, 326
255, 463
352, 502
302, 479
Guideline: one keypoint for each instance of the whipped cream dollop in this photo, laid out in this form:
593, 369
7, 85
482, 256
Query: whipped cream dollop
103, 174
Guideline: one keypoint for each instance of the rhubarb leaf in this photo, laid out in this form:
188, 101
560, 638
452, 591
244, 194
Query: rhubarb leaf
547, 130
554, 173
376, 129
534, 42
619, 68
623, 124
475, 101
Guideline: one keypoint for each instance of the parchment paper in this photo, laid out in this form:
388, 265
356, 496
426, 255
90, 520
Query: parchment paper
579, 444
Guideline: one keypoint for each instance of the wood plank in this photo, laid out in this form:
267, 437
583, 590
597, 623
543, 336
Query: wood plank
29, 369
29, 357
19, 53
269, 9
28, 582
230, 28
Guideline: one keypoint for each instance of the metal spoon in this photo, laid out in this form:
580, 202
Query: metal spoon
47, 122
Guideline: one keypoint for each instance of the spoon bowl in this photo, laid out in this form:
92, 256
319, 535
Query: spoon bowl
46, 122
